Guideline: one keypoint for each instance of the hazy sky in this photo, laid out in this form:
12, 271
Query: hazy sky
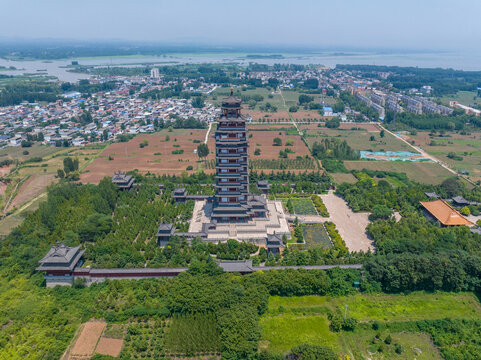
407, 24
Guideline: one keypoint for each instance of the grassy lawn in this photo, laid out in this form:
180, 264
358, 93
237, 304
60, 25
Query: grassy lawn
363, 344
37, 150
423, 172
464, 97
395, 181
280, 333
415, 306
291, 321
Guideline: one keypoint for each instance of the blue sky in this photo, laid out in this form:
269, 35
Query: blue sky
404, 24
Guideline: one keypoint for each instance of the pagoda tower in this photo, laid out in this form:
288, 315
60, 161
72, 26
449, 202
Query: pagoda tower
232, 202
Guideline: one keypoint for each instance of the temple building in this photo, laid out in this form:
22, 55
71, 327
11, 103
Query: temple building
59, 264
232, 202
122, 180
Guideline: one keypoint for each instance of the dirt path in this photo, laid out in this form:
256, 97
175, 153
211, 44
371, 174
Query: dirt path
207, 134
351, 225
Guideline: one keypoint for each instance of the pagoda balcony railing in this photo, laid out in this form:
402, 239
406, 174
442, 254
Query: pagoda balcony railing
231, 129
227, 193
229, 144
228, 175
224, 184
226, 155
233, 139
226, 166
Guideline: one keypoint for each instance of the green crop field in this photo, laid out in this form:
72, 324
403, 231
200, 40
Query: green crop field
290, 321
316, 236
423, 172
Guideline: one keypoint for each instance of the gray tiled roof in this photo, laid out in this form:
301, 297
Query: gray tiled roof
60, 254
235, 266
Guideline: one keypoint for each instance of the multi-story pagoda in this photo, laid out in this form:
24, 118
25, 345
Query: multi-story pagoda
233, 203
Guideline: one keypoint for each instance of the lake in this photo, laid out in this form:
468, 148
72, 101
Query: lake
461, 61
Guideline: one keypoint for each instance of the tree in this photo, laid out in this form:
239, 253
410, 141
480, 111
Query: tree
382, 133
95, 225
198, 102
452, 186
305, 99
257, 151
68, 165
380, 211
312, 83
311, 352
465, 211
338, 107
202, 150
277, 141
60, 173
239, 331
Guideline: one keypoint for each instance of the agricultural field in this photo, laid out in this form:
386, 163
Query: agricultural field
359, 139
264, 141
423, 172
181, 336
467, 149
144, 340
157, 155
293, 320
284, 116
276, 99
340, 178
36, 150
315, 236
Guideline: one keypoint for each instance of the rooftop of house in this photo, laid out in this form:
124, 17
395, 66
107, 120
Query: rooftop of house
444, 213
